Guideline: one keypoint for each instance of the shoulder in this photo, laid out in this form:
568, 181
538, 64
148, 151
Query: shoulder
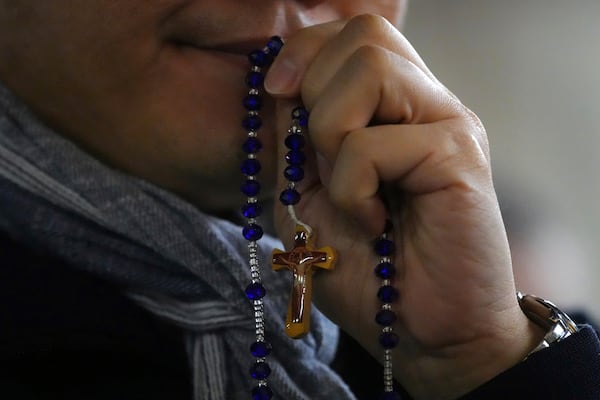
63, 328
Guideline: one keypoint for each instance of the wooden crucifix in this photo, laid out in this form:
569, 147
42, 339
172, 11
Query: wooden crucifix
301, 261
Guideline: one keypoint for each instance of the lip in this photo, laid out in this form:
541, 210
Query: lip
225, 57
244, 47
237, 47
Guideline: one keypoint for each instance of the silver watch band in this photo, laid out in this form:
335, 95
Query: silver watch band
557, 325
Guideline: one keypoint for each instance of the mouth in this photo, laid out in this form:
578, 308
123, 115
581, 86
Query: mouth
244, 47
239, 48
195, 26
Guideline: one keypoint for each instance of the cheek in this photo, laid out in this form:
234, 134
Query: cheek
183, 119
195, 98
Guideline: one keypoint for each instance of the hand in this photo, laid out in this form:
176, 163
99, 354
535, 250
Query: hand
381, 123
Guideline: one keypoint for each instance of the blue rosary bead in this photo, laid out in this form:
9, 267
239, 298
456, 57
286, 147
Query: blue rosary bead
255, 291
390, 396
275, 44
294, 173
388, 340
255, 79
252, 102
295, 157
387, 294
301, 115
251, 210
260, 349
250, 188
262, 393
252, 123
384, 247
260, 370
252, 232
385, 270
385, 318
295, 141
260, 59
252, 145
250, 167
289, 197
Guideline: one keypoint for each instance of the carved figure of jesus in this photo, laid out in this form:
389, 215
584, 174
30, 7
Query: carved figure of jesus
301, 261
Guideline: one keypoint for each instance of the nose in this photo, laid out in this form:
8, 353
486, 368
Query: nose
286, 17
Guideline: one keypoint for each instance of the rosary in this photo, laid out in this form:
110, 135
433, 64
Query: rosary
303, 259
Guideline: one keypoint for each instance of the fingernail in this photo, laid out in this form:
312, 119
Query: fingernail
281, 77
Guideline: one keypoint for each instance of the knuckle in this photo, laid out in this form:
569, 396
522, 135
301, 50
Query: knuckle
371, 57
357, 142
354, 150
310, 89
339, 195
464, 143
370, 61
465, 133
368, 24
474, 129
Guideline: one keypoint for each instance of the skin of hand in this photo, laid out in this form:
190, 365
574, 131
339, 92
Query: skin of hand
381, 122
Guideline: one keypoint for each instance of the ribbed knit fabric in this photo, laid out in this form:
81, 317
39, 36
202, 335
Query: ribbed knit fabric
178, 263
569, 370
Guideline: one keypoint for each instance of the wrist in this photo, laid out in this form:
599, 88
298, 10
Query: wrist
536, 325
460, 369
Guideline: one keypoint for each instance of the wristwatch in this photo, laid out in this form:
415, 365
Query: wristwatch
557, 325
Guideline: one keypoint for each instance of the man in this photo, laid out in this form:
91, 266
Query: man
152, 90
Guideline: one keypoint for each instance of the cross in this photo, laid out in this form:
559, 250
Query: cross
300, 261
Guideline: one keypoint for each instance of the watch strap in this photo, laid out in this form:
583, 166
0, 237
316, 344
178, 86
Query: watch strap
557, 324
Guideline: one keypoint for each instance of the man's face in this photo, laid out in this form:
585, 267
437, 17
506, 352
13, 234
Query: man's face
154, 87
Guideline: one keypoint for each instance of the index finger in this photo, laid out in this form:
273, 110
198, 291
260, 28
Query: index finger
329, 45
